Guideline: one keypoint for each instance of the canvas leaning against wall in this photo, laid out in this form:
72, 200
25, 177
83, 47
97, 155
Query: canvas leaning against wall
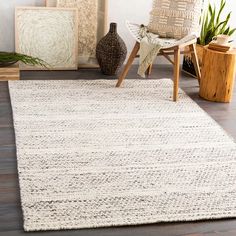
49, 34
92, 26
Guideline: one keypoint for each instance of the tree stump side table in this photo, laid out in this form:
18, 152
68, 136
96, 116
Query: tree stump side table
218, 73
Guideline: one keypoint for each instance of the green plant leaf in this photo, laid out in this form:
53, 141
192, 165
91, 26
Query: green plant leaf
218, 26
225, 25
28, 60
212, 24
204, 28
222, 6
226, 32
231, 32
210, 9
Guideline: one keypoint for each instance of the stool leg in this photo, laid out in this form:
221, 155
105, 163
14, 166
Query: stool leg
129, 64
195, 61
176, 73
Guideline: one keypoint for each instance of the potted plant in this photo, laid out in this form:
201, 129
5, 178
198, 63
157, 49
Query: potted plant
10, 58
211, 26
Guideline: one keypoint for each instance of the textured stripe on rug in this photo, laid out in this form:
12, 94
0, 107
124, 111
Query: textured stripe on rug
91, 155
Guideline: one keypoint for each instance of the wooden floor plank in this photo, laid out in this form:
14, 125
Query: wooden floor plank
10, 210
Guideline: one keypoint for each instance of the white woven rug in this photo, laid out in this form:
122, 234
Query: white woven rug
91, 155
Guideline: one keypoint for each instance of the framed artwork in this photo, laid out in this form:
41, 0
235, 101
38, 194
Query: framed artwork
51, 3
92, 26
50, 34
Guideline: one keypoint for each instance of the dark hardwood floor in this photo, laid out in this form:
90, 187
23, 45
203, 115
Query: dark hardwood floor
10, 210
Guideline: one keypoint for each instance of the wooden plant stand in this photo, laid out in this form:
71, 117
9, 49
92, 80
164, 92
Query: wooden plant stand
10, 73
218, 73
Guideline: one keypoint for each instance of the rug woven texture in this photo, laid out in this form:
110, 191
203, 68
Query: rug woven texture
91, 155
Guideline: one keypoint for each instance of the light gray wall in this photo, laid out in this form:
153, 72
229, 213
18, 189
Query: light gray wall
7, 21
119, 10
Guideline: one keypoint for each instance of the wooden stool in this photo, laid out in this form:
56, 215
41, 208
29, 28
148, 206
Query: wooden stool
218, 73
10, 73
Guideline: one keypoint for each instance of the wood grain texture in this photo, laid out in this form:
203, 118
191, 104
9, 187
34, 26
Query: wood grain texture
200, 50
128, 64
218, 72
176, 73
195, 61
10, 73
50, 3
10, 210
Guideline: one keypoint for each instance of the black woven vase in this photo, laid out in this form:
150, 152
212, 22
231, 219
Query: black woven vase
111, 52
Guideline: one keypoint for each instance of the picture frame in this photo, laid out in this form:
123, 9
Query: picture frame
37, 30
102, 28
50, 3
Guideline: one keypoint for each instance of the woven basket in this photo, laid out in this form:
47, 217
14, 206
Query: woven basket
111, 52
